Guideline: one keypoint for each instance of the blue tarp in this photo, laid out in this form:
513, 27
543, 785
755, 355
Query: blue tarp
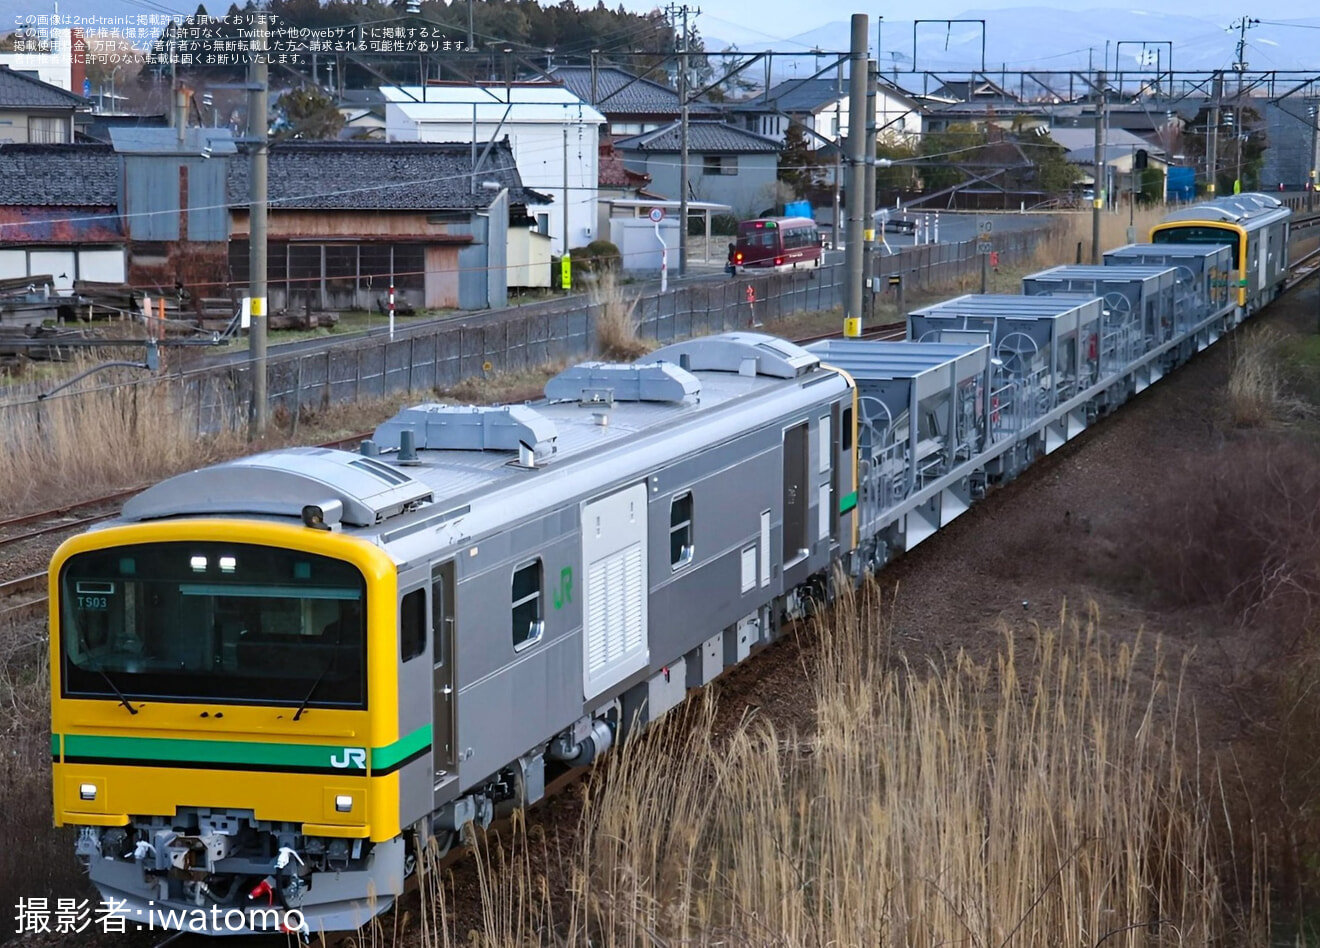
1181, 183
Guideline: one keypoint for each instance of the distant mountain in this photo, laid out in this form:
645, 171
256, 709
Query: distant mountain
1051, 38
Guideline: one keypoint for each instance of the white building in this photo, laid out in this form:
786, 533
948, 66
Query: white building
54, 64
554, 135
821, 106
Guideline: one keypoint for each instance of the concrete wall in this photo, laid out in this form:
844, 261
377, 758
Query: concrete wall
637, 244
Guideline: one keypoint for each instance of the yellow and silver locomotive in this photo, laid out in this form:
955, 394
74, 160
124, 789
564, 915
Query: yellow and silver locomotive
276, 678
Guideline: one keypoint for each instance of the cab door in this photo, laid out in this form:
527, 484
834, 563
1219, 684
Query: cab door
444, 700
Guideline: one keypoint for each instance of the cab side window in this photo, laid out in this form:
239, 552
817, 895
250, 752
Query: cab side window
528, 617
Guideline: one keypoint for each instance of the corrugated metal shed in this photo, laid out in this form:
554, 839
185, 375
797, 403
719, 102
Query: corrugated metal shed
157, 165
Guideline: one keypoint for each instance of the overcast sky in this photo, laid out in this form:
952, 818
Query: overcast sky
766, 21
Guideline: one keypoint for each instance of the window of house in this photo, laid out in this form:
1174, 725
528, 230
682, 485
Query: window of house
528, 623
48, 129
680, 530
412, 625
341, 266
719, 164
374, 263
409, 266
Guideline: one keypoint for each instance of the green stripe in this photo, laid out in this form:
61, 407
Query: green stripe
258, 754
175, 750
55, 746
382, 758
847, 502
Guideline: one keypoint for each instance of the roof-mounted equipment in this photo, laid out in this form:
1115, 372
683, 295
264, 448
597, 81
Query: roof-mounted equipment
519, 428
592, 383
746, 353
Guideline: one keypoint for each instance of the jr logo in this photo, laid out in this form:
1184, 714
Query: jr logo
354, 757
564, 592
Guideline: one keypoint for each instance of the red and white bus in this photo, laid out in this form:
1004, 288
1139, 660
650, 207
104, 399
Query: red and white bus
780, 243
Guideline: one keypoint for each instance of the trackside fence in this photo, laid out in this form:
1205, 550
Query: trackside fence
441, 354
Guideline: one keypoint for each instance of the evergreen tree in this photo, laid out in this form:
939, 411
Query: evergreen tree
1240, 141
799, 166
309, 114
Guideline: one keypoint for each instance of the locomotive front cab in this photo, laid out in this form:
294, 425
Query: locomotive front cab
224, 723
1212, 232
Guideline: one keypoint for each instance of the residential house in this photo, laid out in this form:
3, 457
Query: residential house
1120, 155
349, 219
631, 104
973, 89
59, 214
364, 115
820, 106
553, 134
726, 164
56, 56
985, 113
36, 111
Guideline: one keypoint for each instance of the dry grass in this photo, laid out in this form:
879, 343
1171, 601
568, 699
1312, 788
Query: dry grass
1113, 232
496, 388
1036, 798
34, 860
103, 439
89, 442
616, 323
1256, 396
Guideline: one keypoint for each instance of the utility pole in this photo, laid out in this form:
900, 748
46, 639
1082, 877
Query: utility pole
1240, 66
257, 134
1098, 191
1212, 133
679, 14
1314, 112
868, 225
857, 137
564, 216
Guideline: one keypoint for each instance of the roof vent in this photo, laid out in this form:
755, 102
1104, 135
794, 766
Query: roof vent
470, 428
282, 483
745, 353
595, 382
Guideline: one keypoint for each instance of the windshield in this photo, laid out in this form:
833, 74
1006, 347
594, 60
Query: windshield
214, 621
1198, 235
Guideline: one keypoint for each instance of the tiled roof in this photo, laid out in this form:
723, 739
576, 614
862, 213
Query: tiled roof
1076, 139
704, 137
621, 93
59, 175
797, 96
382, 176
18, 91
